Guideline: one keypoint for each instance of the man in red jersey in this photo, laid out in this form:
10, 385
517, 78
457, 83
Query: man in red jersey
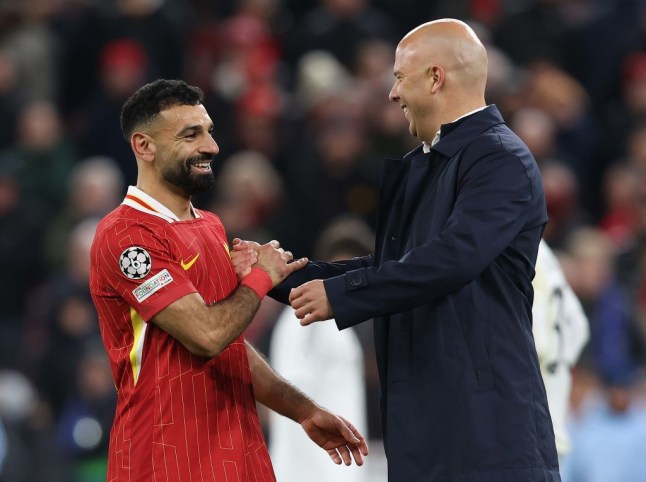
172, 311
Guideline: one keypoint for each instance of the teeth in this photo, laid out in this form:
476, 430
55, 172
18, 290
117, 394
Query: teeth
202, 165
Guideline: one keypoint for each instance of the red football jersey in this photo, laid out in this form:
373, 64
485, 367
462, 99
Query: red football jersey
179, 417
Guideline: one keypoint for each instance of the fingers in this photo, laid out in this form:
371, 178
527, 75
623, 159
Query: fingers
345, 454
356, 453
244, 257
294, 296
334, 455
307, 319
304, 308
348, 431
357, 446
241, 245
298, 301
296, 265
359, 440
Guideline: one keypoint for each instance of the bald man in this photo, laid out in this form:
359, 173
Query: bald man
449, 286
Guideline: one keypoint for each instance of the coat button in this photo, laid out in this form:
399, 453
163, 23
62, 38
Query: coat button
393, 237
356, 282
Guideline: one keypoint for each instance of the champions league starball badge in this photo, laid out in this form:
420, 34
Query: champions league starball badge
135, 262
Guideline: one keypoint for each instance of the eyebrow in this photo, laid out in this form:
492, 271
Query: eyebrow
193, 128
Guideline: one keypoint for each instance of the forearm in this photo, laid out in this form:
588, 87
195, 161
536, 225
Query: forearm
228, 319
275, 392
211, 328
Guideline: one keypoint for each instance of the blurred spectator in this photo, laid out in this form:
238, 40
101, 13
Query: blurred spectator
62, 320
249, 55
621, 204
28, 38
624, 191
504, 81
259, 125
11, 98
538, 130
326, 363
606, 302
339, 27
563, 98
319, 75
609, 436
28, 452
331, 170
601, 33
624, 114
249, 194
123, 67
534, 31
562, 199
96, 186
22, 224
83, 431
42, 154
158, 26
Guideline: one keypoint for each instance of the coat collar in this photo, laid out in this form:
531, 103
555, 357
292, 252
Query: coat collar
470, 128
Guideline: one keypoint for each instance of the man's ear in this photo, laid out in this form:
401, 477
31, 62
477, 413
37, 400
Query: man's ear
143, 146
436, 76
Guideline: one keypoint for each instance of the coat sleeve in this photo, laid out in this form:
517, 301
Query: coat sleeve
494, 199
317, 270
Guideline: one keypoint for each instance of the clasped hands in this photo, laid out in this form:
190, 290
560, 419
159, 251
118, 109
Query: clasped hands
309, 300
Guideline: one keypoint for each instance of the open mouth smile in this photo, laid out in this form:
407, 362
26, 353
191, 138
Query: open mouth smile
202, 166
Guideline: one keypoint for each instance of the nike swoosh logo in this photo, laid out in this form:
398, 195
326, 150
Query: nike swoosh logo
187, 266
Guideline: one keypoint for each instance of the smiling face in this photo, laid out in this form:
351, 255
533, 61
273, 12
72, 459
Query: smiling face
412, 91
185, 148
440, 75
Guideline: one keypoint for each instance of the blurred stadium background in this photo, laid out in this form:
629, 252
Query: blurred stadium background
298, 91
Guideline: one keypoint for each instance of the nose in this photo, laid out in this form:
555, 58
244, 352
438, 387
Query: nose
210, 146
393, 95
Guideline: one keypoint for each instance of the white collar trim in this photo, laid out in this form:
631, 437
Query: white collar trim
139, 200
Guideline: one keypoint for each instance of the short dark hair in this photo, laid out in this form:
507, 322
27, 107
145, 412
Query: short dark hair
148, 101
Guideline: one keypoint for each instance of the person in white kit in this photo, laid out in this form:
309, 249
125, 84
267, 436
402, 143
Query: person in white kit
561, 330
325, 363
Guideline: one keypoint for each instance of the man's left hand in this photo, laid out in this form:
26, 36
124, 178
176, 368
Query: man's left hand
338, 437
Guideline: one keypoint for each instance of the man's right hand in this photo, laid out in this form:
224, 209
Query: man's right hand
277, 262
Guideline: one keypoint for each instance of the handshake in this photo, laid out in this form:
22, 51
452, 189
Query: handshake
269, 257
309, 300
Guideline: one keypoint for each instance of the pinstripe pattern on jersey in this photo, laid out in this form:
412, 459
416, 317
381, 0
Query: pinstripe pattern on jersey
179, 417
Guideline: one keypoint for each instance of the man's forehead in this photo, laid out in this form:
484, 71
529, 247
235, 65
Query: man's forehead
180, 116
180, 113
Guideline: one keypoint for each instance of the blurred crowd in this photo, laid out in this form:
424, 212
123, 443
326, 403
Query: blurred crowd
298, 92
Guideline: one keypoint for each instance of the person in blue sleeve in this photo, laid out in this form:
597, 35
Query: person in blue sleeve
449, 285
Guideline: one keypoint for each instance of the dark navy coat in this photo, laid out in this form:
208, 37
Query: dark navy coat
449, 288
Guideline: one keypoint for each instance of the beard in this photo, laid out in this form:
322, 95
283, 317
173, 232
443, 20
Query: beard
181, 176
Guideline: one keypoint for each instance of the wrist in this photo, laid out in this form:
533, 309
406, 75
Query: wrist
259, 281
304, 411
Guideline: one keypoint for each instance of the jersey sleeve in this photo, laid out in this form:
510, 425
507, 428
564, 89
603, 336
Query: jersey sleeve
138, 264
